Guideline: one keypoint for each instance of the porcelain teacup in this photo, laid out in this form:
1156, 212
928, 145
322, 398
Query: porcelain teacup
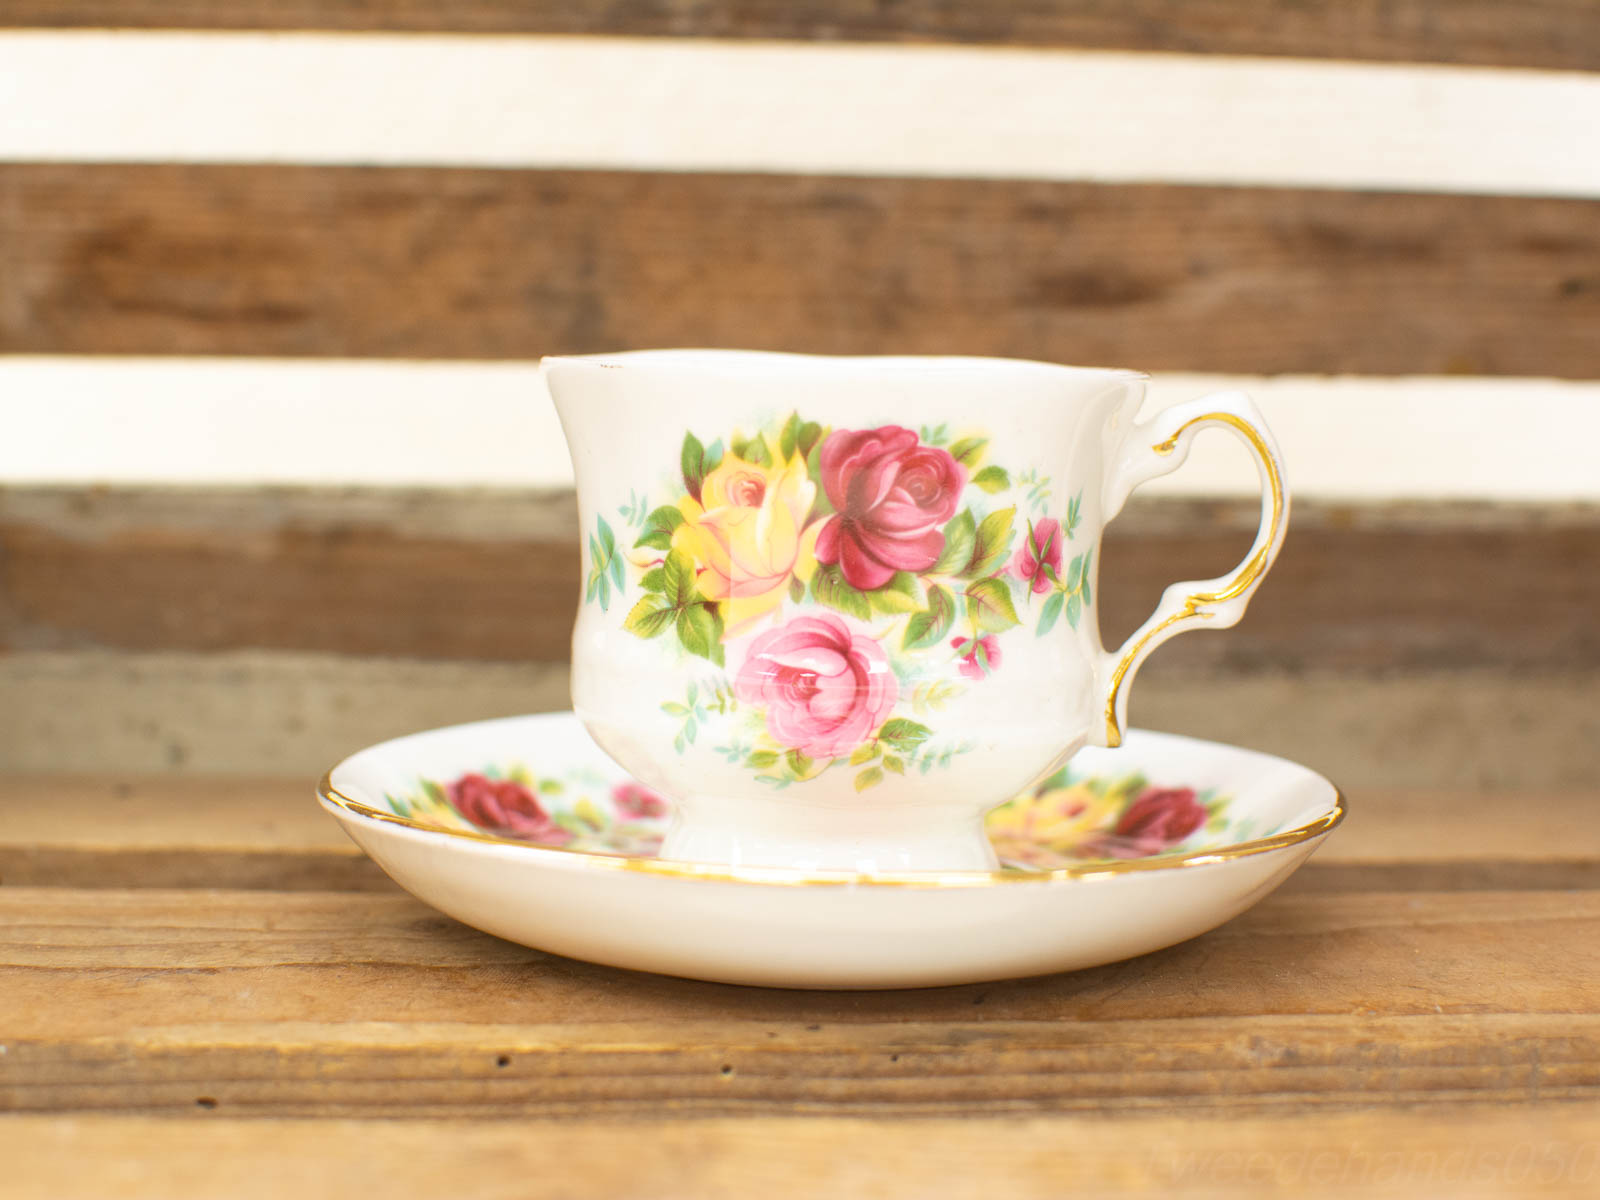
838, 608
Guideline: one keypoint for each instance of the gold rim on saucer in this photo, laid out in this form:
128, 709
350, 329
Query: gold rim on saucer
795, 877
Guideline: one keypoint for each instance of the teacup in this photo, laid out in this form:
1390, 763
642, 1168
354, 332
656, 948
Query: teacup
838, 608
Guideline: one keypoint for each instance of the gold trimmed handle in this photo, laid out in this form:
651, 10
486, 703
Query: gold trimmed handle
1158, 447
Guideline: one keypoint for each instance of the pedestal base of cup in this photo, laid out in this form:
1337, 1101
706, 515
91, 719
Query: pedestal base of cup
806, 837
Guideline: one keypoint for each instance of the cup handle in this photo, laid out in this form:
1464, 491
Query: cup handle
1158, 447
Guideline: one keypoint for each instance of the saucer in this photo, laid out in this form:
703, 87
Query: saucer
524, 828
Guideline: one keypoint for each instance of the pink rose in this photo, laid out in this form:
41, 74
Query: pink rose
891, 494
1158, 819
980, 658
502, 806
1044, 547
634, 802
824, 688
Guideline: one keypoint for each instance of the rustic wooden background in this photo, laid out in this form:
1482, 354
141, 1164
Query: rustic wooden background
192, 628
245, 628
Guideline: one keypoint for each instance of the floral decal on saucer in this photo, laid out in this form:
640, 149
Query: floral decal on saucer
847, 584
1063, 821
578, 811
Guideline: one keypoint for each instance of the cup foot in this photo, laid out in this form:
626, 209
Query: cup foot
827, 840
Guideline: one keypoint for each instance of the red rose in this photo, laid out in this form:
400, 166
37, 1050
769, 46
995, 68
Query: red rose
633, 801
1159, 818
502, 806
1043, 548
891, 494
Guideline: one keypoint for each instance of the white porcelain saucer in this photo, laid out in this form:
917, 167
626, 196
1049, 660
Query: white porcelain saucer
524, 828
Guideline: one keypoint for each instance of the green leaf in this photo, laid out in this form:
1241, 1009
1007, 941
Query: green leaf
989, 605
655, 580
594, 586
673, 708
712, 458
798, 763
959, 536
899, 595
434, 792
797, 589
608, 542
968, 450
871, 777
754, 451
1083, 582
603, 592
928, 627
762, 759
830, 588
864, 753
992, 479
700, 631
692, 459
1074, 509
904, 735
1074, 609
649, 616
992, 541
678, 578
1052, 610
810, 436
790, 437
658, 527
894, 763
1074, 573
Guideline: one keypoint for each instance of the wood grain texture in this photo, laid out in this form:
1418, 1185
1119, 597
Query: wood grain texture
278, 712
1545, 33
345, 1004
166, 831
446, 575
456, 263
1548, 1150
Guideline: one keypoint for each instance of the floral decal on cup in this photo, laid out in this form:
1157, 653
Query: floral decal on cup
847, 583
1065, 820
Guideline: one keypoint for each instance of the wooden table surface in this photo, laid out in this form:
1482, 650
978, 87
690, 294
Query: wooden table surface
206, 991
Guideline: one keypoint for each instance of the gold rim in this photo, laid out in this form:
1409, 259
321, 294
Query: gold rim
791, 877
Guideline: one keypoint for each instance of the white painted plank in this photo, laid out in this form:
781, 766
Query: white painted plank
657, 104
262, 421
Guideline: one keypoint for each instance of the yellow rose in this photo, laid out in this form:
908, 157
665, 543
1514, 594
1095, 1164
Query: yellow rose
747, 534
1054, 822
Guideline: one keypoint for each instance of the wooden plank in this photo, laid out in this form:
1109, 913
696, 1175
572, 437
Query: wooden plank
1541, 33
484, 577
277, 712
1545, 1150
166, 831
458, 263
344, 1004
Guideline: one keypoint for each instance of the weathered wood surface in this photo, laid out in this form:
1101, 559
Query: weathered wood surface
486, 577
1354, 1040
348, 1004
409, 262
98, 831
1540, 33
1425, 1151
